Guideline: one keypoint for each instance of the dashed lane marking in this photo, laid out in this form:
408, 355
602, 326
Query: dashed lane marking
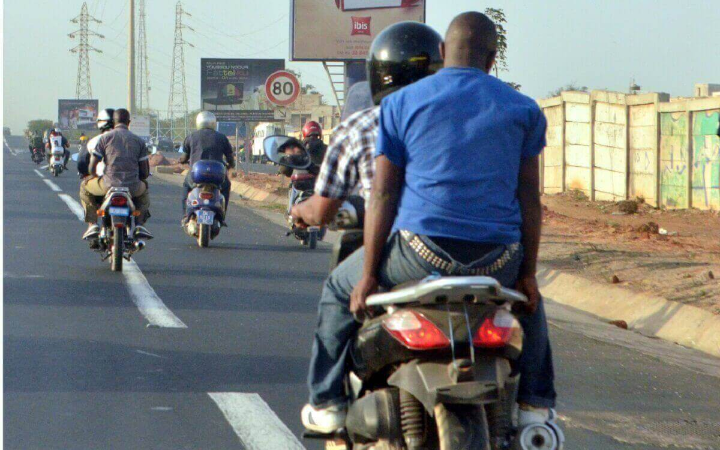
39, 173
52, 185
73, 205
255, 424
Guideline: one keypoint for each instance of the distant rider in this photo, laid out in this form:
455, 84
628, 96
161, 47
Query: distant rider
312, 138
207, 144
58, 142
36, 144
126, 165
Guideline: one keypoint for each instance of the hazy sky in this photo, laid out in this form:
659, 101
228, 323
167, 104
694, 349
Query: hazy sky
666, 45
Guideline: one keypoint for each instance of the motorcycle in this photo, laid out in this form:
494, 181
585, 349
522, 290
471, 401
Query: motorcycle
116, 217
38, 155
301, 188
56, 165
205, 205
433, 364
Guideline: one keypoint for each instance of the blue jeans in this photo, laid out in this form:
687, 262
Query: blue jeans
337, 327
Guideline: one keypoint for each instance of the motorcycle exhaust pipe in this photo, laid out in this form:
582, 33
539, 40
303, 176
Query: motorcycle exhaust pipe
374, 417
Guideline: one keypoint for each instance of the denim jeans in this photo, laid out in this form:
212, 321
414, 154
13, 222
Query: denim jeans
336, 326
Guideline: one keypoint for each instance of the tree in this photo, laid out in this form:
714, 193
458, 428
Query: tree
568, 87
497, 15
38, 126
6, 131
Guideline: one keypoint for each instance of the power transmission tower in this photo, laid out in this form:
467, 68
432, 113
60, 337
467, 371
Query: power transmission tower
83, 89
143, 71
178, 104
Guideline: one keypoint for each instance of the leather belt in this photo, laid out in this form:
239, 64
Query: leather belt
439, 262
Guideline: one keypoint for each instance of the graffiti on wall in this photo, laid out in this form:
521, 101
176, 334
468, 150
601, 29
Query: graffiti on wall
674, 157
706, 160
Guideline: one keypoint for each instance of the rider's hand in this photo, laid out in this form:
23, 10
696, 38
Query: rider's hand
297, 218
366, 287
528, 285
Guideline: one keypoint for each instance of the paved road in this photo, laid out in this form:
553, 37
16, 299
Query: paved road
85, 368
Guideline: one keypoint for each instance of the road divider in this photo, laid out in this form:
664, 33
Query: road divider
255, 424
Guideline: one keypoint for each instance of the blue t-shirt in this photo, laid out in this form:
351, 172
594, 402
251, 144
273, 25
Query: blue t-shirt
460, 136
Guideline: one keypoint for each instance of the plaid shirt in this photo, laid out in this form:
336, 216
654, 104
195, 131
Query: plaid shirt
349, 163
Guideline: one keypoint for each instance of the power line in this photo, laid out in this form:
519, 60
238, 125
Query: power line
83, 87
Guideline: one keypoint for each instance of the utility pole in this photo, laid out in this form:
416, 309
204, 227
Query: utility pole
131, 59
83, 88
178, 104
143, 71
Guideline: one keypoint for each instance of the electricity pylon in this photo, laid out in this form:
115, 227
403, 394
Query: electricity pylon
83, 88
143, 71
178, 103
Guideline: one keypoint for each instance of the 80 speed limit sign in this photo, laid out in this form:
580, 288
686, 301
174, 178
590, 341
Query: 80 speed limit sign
282, 88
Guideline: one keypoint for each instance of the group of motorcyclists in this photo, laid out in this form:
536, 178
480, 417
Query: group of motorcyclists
446, 159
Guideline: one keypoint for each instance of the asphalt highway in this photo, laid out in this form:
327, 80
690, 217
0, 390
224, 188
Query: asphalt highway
208, 348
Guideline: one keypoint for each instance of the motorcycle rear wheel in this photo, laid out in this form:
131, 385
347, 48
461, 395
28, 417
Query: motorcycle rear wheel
117, 250
462, 426
204, 235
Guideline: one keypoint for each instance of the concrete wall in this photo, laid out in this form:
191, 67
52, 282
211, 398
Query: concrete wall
614, 146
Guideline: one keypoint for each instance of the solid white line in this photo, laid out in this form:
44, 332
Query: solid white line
52, 185
147, 300
73, 205
39, 173
254, 422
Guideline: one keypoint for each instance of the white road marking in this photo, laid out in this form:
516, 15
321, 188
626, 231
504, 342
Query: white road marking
74, 206
147, 300
52, 185
254, 422
142, 352
44, 167
39, 173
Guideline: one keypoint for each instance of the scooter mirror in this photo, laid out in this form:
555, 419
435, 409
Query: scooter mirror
287, 151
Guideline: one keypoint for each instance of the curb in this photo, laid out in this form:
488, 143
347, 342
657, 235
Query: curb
650, 315
244, 190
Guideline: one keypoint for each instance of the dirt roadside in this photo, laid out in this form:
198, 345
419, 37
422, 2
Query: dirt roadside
672, 254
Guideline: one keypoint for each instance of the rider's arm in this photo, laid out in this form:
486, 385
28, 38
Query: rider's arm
186, 149
65, 142
228, 152
144, 162
317, 210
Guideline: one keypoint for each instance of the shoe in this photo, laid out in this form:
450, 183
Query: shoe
537, 429
92, 232
528, 415
142, 232
326, 420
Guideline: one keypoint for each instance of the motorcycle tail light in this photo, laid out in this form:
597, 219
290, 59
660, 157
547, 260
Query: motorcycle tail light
496, 331
206, 195
414, 331
118, 201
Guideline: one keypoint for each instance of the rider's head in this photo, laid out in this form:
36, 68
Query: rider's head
312, 129
206, 120
105, 119
401, 55
471, 41
57, 131
293, 146
121, 116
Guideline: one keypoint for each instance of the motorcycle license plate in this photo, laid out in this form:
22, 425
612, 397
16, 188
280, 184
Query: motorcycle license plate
119, 211
205, 217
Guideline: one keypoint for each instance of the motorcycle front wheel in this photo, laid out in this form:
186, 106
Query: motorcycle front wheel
312, 240
462, 426
117, 250
204, 235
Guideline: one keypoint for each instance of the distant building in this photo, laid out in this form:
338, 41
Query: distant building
706, 90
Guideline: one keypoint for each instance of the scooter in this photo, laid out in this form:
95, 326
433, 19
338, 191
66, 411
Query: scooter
205, 205
117, 240
433, 365
301, 188
56, 165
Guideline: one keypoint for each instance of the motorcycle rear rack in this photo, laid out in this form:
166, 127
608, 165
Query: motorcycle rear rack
435, 290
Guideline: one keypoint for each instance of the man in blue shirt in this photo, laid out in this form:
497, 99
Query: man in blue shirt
455, 192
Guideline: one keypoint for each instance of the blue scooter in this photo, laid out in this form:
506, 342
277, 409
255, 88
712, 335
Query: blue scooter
205, 204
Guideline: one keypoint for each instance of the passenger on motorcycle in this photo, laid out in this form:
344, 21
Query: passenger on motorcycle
312, 138
105, 124
206, 144
58, 142
126, 165
293, 148
444, 202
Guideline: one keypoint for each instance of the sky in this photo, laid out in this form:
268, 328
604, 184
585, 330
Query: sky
665, 45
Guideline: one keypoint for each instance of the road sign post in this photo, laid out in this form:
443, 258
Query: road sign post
282, 88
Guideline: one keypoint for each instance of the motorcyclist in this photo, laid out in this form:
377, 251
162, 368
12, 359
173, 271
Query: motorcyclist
36, 144
206, 144
312, 138
126, 165
56, 141
104, 123
83, 140
455, 204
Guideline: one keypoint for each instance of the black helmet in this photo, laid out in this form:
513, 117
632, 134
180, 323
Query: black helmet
105, 120
401, 55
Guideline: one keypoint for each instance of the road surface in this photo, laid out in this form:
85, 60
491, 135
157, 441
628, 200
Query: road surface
208, 348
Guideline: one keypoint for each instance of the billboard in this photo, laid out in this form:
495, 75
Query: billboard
234, 89
231, 129
140, 125
342, 30
77, 114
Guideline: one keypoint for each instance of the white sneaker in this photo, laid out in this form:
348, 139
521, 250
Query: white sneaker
528, 415
326, 420
92, 232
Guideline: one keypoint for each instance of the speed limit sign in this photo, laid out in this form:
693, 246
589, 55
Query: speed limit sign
282, 88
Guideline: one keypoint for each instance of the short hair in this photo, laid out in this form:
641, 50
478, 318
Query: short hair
472, 33
121, 115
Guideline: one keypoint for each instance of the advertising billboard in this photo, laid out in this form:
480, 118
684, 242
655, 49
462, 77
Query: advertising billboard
342, 30
77, 114
140, 125
234, 89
